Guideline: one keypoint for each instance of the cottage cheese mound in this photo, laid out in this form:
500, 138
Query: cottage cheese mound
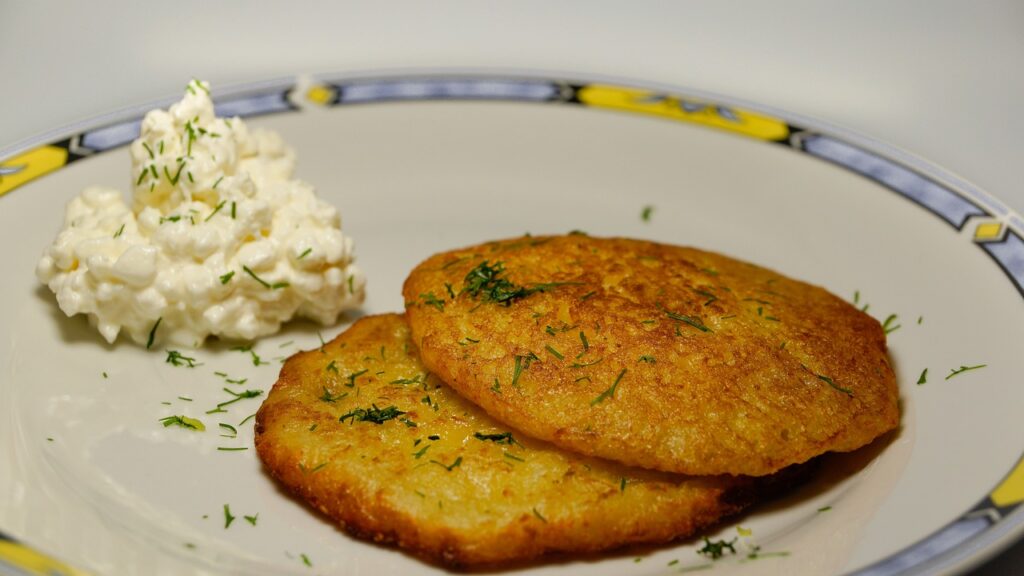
219, 238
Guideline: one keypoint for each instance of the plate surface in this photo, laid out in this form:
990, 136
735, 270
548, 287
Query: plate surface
420, 164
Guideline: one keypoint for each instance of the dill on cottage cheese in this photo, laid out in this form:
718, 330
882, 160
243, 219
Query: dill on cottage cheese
219, 238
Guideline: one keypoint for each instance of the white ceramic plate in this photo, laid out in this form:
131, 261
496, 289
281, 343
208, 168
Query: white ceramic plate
420, 164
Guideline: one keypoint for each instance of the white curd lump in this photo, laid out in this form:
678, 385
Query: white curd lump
219, 238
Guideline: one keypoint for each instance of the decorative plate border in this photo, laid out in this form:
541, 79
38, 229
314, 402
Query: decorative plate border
996, 230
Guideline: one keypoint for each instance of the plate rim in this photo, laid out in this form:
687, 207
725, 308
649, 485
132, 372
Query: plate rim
1003, 530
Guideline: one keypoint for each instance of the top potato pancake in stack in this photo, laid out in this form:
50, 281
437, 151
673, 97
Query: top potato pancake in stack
652, 355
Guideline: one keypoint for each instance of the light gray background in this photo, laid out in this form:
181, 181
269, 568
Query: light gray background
940, 79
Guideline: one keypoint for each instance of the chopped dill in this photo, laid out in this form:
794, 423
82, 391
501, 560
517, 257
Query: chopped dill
232, 449
511, 456
505, 438
710, 297
454, 261
583, 339
372, 414
432, 300
588, 295
585, 364
889, 325
824, 509
229, 380
832, 383
962, 369
237, 396
554, 352
451, 293
177, 175
450, 467
184, 422
418, 379
716, 550
152, 333
923, 379
225, 278
228, 518
756, 553
175, 358
257, 278
252, 519
352, 378
119, 231
539, 515
484, 282
610, 392
305, 253
331, 398
421, 452
215, 210
517, 371
647, 359
332, 367
645, 214
691, 320
256, 360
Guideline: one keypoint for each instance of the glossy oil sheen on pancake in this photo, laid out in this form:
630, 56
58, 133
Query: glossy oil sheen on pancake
653, 355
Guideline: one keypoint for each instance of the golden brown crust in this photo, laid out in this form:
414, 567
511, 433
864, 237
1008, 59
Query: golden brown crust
722, 366
503, 501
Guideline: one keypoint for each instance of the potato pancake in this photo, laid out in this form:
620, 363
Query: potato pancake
367, 436
652, 355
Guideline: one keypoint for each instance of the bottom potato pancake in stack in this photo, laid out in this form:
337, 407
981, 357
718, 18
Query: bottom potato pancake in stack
361, 431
